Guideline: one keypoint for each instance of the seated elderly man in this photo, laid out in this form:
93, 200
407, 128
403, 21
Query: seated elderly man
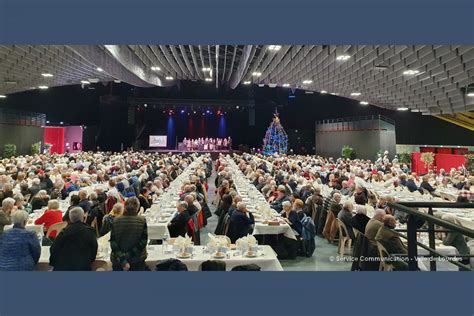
178, 226
392, 242
374, 224
345, 188
345, 216
241, 222
75, 247
425, 184
8, 208
19, 249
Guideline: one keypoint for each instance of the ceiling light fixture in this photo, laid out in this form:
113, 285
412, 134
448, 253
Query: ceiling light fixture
47, 75
402, 109
2, 96
334, 93
323, 92
355, 94
206, 69
256, 74
343, 57
470, 94
364, 102
155, 68
208, 79
274, 47
43, 87
169, 78
247, 82
307, 81
99, 69
286, 85
411, 72
85, 82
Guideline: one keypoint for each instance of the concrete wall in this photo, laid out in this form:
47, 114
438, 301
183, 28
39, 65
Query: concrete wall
365, 143
22, 136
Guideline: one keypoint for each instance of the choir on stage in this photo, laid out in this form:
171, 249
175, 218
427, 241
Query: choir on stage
207, 144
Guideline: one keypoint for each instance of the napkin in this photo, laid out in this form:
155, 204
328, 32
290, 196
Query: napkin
183, 242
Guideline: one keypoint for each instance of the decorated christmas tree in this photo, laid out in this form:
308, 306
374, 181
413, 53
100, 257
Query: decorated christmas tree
276, 140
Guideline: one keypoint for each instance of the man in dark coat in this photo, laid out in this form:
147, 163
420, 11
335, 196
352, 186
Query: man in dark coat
75, 248
179, 224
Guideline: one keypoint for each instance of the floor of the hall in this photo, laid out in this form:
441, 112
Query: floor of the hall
320, 261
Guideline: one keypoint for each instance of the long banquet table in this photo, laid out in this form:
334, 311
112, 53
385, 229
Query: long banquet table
266, 259
253, 198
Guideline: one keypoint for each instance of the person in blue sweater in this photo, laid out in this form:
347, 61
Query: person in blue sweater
19, 249
241, 222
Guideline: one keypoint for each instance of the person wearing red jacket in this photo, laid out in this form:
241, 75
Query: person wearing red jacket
51, 216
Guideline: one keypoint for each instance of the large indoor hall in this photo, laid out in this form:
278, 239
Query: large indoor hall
236, 158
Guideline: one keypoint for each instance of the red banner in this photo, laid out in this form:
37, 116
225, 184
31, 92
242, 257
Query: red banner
55, 137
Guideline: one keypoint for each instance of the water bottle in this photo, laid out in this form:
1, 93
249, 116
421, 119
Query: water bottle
165, 243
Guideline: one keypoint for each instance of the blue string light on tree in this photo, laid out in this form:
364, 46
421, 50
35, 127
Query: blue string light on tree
276, 139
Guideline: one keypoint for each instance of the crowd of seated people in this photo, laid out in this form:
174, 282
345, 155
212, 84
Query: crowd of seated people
95, 194
348, 197
112, 190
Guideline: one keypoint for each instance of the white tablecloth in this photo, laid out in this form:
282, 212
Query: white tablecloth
441, 263
264, 229
38, 229
266, 260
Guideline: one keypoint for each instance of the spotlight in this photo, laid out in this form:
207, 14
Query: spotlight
47, 75
364, 102
355, 94
256, 74
208, 79
182, 111
194, 112
237, 107
43, 87
169, 78
323, 92
307, 81
155, 68
2, 96
343, 57
411, 72
246, 82
402, 109
85, 82
61, 123
99, 69
145, 105
47, 122
285, 85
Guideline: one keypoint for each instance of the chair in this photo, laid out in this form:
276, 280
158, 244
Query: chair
383, 254
95, 226
344, 238
58, 227
226, 224
191, 231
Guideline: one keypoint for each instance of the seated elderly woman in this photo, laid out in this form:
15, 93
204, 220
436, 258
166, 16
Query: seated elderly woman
108, 220
51, 216
291, 217
360, 219
40, 200
19, 249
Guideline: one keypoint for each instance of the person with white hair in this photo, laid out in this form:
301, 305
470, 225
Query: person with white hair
19, 249
8, 208
178, 226
360, 219
50, 217
241, 222
374, 224
345, 215
75, 247
291, 217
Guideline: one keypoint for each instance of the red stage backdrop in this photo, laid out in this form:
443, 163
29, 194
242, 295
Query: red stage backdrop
447, 162
55, 137
442, 161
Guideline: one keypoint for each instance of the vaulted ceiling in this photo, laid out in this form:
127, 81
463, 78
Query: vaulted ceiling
432, 79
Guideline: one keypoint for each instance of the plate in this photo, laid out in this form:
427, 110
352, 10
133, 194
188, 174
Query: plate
184, 255
162, 220
219, 255
251, 254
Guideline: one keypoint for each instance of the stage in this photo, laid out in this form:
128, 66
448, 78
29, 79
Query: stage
214, 153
